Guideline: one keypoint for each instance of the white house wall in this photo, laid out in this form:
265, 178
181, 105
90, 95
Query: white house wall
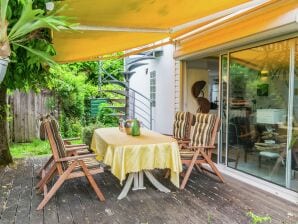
163, 112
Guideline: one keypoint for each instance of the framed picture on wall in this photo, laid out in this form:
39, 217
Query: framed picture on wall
263, 89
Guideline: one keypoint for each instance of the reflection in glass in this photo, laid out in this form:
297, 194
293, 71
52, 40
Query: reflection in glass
294, 142
258, 104
224, 79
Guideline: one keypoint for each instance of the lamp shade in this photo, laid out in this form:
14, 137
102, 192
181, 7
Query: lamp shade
3, 67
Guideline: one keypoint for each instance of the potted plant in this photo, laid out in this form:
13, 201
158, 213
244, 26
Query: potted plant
23, 29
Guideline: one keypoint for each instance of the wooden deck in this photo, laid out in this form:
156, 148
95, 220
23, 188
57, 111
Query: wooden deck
203, 201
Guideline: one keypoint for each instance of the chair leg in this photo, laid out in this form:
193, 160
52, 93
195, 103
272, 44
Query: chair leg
198, 168
245, 155
45, 166
92, 181
237, 158
213, 167
189, 169
56, 186
46, 177
167, 174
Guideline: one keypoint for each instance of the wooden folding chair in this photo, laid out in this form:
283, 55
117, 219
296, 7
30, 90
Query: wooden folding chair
70, 148
200, 148
182, 127
181, 130
66, 165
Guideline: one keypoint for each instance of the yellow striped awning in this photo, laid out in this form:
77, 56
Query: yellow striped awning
109, 26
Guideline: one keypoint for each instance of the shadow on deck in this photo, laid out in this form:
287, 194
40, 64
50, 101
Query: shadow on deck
203, 201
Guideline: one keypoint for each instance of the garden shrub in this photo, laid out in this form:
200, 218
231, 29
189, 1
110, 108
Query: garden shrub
71, 90
87, 132
105, 116
70, 127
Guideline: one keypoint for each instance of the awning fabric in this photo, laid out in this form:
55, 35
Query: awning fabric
277, 14
110, 26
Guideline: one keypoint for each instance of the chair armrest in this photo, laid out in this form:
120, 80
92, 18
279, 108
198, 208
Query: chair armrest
183, 140
200, 147
75, 148
71, 139
67, 141
168, 135
72, 158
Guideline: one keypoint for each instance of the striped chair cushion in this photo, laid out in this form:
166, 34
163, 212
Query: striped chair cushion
58, 140
203, 127
182, 125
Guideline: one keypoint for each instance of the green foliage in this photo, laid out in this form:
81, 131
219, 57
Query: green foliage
88, 131
110, 94
91, 69
70, 126
51, 104
255, 219
113, 67
35, 148
29, 37
209, 220
72, 90
105, 117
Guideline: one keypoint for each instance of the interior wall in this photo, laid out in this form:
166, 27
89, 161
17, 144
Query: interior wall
205, 69
193, 75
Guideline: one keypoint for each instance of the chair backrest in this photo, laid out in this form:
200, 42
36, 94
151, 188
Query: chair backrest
205, 130
182, 125
55, 140
42, 130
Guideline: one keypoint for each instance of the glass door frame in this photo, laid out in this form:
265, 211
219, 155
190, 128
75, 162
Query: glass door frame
225, 135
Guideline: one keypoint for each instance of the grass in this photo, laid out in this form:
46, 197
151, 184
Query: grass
34, 148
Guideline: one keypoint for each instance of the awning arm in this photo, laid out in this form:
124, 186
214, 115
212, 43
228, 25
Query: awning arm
223, 19
120, 29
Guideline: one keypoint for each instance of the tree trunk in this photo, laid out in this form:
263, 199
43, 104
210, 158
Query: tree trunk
5, 156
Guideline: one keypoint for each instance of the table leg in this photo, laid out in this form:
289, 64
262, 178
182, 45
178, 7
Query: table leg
138, 179
156, 183
141, 180
126, 186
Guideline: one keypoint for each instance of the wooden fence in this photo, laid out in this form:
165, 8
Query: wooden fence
26, 109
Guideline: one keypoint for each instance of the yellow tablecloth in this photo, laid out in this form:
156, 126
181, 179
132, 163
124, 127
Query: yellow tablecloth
126, 154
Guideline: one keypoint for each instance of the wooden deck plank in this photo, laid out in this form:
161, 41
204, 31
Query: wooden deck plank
24, 203
204, 200
13, 199
50, 213
6, 185
64, 213
36, 217
74, 202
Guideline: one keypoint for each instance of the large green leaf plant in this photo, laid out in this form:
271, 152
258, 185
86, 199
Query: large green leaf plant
25, 42
27, 27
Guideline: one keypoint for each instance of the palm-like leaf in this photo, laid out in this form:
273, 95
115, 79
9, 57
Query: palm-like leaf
3, 22
46, 57
4, 5
34, 19
29, 21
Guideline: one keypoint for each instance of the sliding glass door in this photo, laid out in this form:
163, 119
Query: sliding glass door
293, 167
259, 90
